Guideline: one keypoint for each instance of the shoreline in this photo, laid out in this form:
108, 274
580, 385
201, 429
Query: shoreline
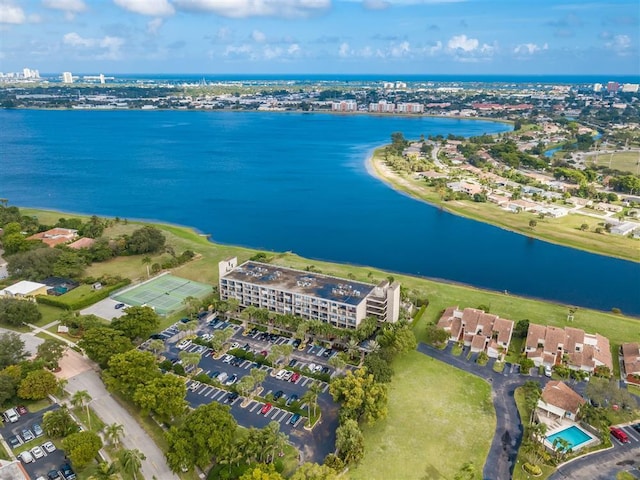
392, 180
205, 239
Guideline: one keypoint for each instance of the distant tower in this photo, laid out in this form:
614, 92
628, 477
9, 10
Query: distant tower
102, 78
67, 77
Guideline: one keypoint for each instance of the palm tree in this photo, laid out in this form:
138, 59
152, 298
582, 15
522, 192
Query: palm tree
113, 432
373, 346
352, 348
105, 471
146, 260
310, 397
131, 461
182, 328
190, 359
81, 399
156, 346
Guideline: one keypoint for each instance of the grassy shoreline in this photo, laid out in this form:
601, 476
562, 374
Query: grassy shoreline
567, 235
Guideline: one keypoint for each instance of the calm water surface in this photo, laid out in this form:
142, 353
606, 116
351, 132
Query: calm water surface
281, 182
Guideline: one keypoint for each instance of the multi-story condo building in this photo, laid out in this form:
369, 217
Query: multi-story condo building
382, 107
342, 303
67, 77
410, 108
344, 106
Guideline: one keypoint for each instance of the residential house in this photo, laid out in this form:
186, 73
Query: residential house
559, 400
549, 346
624, 228
631, 362
55, 236
608, 207
478, 330
84, 242
465, 187
24, 290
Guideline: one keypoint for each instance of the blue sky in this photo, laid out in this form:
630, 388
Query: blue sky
321, 36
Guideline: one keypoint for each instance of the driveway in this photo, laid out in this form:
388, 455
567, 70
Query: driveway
110, 411
506, 441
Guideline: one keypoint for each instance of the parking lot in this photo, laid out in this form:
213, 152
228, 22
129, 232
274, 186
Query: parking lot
23, 436
315, 444
633, 435
104, 309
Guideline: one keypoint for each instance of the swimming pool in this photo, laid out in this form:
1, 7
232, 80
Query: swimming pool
574, 435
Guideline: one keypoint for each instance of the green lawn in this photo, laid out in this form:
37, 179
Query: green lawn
623, 161
439, 418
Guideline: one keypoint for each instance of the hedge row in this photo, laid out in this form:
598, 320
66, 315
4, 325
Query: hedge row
84, 302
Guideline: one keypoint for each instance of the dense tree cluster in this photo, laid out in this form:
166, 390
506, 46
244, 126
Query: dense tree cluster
16, 312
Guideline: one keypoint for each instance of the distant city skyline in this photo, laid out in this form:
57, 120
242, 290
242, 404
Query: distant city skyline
391, 37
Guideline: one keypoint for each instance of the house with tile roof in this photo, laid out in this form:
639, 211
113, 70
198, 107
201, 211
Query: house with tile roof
482, 332
549, 346
559, 400
84, 242
631, 362
55, 236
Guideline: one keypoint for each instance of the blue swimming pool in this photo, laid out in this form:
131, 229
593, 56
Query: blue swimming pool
575, 436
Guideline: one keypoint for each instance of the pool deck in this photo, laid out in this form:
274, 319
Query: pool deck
555, 426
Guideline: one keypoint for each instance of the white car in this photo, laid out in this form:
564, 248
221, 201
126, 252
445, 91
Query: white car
48, 447
287, 375
194, 385
235, 345
311, 367
184, 344
37, 452
26, 457
227, 359
281, 373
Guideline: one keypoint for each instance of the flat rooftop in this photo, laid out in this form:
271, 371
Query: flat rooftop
301, 282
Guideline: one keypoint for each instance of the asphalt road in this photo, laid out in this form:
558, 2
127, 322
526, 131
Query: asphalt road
602, 465
506, 441
110, 411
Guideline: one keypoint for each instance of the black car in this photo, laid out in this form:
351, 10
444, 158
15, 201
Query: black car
292, 399
293, 362
67, 471
246, 347
231, 397
278, 395
215, 374
325, 370
636, 427
253, 331
327, 353
53, 475
156, 336
15, 441
236, 362
185, 320
296, 343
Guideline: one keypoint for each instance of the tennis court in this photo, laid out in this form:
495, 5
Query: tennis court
165, 293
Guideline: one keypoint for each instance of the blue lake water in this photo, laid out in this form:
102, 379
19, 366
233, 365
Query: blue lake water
287, 182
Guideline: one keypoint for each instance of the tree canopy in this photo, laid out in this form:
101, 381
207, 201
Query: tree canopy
34, 264
350, 442
11, 349
164, 396
147, 239
137, 322
37, 385
102, 343
82, 447
129, 370
16, 312
361, 397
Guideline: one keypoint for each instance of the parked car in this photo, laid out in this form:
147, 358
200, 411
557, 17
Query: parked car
292, 399
547, 371
231, 397
288, 375
327, 353
281, 373
264, 353
227, 358
235, 345
214, 375
278, 395
237, 361
246, 347
118, 306
317, 369
53, 475
293, 362
37, 430
325, 370
194, 385
184, 344
22, 410
49, 447
296, 343
636, 427
37, 452
26, 457
11, 415
619, 434
295, 377
232, 379
15, 441
294, 418
67, 471
27, 435
311, 367
223, 377
266, 409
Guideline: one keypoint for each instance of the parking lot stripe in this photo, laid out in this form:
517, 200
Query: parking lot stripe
305, 381
200, 391
326, 387
253, 405
259, 409
628, 431
284, 414
219, 394
276, 412
205, 391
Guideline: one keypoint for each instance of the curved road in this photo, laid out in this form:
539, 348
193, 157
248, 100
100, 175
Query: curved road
506, 441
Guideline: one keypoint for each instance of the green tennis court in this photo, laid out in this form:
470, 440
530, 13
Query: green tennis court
165, 294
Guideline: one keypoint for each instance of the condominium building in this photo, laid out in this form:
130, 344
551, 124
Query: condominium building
344, 106
342, 303
410, 108
382, 107
67, 77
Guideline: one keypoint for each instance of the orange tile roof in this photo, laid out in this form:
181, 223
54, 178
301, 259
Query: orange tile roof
84, 242
631, 357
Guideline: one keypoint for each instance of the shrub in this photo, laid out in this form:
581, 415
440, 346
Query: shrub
532, 469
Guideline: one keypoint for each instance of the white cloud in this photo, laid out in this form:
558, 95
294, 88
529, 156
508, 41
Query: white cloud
69, 6
529, 48
255, 8
154, 25
433, 49
294, 49
621, 44
344, 50
401, 50
258, 36
75, 40
152, 8
110, 45
461, 42
11, 14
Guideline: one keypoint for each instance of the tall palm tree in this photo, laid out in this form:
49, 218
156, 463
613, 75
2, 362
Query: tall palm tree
81, 399
310, 397
114, 432
373, 346
146, 260
131, 461
105, 471
352, 348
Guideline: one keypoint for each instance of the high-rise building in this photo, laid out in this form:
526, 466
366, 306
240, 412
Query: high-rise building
341, 302
67, 77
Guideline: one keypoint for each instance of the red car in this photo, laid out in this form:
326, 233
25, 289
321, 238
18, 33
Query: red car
295, 377
267, 407
619, 434
22, 410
